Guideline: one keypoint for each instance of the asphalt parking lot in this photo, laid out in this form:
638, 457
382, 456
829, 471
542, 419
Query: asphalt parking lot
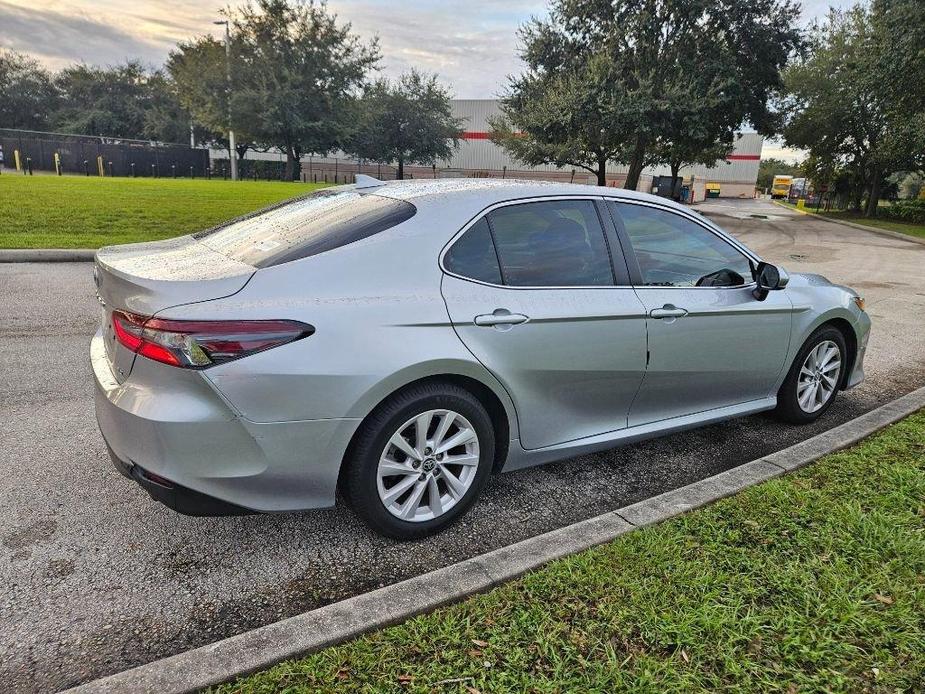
95, 577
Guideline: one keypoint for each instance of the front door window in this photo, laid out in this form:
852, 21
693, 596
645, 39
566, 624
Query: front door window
673, 251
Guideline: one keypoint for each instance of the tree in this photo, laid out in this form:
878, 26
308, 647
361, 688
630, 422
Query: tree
407, 121
848, 103
27, 94
102, 101
296, 70
899, 28
605, 80
198, 69
697, 125
562, 118
684, 151
165, 118
899, 54
121, 101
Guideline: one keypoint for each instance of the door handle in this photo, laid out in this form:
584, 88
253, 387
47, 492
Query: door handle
668, 311
500, 316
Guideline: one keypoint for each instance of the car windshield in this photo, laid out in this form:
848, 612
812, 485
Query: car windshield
305, 226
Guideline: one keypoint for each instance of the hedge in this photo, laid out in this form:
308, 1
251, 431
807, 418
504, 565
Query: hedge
911, 211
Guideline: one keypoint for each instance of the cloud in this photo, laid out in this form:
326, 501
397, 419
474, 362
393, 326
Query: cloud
774, 148
817, 9
472, 45
60, 38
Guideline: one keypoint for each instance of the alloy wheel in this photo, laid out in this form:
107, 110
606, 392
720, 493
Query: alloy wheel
428, 465
818, 377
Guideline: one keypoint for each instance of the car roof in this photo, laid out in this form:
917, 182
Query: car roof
482, 192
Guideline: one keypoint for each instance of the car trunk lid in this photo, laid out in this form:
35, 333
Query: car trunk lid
145, 278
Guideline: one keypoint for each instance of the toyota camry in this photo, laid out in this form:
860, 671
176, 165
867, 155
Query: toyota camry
401, 342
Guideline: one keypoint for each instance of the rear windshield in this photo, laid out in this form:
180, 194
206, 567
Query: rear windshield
306, 226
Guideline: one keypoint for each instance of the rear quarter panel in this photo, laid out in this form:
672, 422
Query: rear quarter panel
380, 323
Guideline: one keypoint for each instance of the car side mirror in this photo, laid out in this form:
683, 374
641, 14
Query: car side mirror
769, 277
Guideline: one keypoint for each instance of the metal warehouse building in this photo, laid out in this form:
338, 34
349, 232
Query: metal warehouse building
478, 156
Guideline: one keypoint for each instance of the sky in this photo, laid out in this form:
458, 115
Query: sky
472, 45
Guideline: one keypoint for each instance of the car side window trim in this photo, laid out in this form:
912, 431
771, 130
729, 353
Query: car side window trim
618, 263
494, 245
484, 214
630, 253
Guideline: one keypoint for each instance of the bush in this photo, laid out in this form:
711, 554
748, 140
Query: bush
911, 211
265, 169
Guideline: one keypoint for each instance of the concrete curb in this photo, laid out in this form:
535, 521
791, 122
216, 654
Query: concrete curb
311, 631
47, 255
862, 227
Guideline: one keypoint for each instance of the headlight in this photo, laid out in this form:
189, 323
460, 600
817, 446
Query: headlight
859, 300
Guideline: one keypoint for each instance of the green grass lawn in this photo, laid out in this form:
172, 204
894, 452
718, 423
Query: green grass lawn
813, 582
78, 212
890, 225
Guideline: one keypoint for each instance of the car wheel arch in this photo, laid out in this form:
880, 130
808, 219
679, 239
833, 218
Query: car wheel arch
851, 342
501, 413
840, 323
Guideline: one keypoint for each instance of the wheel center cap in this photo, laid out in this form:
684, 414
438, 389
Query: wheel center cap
428, 464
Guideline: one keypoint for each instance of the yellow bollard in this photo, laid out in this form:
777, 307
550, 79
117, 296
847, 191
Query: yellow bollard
801, 203
17, 160
57, 163
99, 165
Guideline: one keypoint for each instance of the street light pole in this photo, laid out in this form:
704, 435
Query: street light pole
232, 151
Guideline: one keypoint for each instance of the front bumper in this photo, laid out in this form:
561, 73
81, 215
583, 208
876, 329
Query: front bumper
862, 330
172, 424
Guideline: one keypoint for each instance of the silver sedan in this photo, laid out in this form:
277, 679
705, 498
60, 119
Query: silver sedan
401, 342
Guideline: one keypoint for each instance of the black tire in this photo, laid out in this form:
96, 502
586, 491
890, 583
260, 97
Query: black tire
360, 475
788, 407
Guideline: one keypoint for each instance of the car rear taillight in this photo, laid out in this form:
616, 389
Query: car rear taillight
201, 343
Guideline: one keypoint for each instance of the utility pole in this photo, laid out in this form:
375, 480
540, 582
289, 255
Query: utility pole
232, 151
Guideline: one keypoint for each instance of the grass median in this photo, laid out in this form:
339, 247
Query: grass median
78, 212
876, 222
811, 582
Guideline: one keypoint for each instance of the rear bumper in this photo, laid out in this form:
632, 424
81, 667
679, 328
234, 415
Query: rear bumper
172, 424
180, 499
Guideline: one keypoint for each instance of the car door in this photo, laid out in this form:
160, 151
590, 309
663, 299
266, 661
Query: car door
711, 342
532, 293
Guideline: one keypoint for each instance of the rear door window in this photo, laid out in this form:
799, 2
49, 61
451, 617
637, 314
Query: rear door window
555, 243
306, 226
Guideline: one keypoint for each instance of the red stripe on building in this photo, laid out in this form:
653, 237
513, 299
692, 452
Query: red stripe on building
743, 157
473, 135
